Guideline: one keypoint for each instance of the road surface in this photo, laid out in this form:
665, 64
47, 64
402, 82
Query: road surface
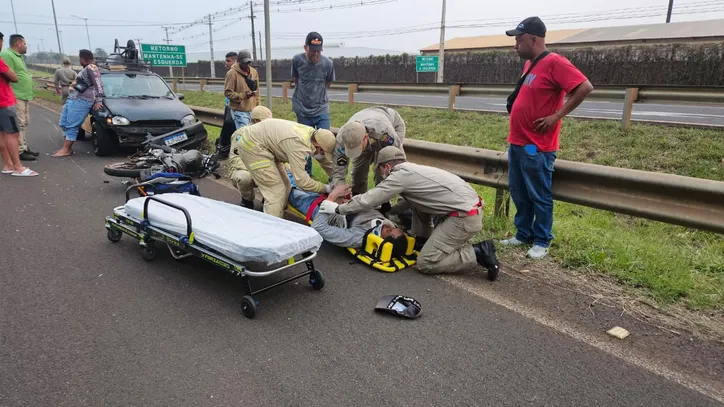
696, 114
85, 322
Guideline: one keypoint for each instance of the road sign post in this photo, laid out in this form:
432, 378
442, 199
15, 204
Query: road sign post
164, 54
425, 63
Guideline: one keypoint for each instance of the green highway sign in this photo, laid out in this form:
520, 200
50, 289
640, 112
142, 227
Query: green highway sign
164, 54
426, 63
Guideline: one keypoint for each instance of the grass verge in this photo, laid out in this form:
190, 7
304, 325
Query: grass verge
670, 264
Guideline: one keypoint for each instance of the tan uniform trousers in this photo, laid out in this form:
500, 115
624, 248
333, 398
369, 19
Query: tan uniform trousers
23, 112
271, 179
448, 250
243, 181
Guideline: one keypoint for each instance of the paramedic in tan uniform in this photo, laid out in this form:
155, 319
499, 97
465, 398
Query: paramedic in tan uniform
431, 192
239, 176
265, 147
360, 139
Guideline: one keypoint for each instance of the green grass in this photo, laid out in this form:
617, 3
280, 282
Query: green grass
40, 74
670, 264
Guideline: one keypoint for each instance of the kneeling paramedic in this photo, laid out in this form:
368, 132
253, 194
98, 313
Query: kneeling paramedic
238, 174
360, 139
430, 192
348, 231
265, 147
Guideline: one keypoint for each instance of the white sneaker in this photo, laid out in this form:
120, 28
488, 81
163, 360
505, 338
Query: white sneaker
537, 252
512, 242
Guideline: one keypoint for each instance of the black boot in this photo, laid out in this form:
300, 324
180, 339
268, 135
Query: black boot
247, 204
485, 256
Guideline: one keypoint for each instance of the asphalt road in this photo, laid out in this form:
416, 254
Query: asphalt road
85, 322
592, 108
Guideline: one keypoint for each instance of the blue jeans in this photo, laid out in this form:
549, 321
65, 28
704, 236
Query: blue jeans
318, 122
530, 176
241, 119
72, 117
301, 200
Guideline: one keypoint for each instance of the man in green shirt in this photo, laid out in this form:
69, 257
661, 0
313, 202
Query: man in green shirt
23, 89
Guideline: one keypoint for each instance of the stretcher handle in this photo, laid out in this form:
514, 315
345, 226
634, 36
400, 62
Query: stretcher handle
189, 231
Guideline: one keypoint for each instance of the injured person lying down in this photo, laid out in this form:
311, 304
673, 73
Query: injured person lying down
346, 231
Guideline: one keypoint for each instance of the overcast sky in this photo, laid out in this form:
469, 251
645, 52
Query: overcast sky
357, 26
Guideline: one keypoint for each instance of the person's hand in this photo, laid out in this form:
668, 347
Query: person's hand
249, 94
328, 207
544, 124
57, 91
98, 106
339, 191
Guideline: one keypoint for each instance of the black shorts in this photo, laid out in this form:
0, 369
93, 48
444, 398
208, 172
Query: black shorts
9, 120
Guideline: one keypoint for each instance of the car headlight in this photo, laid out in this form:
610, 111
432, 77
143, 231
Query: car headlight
188, 119
120, 121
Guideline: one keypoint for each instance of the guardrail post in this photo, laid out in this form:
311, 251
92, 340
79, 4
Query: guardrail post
285, 91
202, 84
454, 91
174, 85
351, 89
632, 95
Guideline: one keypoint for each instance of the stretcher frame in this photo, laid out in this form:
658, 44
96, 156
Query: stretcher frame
372, 245
185, 246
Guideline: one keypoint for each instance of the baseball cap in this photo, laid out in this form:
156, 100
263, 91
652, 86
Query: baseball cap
244, 56
388, 154
327, 141
314, 41
531, 25
260, 113
351, 136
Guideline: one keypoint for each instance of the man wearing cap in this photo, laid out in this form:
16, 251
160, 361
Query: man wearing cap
238, 174
360, 139
62, 79
241, 86
265, 147
431, 192
229, 127
535, 125
312, 74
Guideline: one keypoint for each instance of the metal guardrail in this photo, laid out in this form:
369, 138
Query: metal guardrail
684, 201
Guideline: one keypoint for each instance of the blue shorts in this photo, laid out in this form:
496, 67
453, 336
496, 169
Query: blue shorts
72, 117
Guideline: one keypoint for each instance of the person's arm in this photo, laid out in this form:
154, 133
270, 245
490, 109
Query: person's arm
230, 88
295, 72
574, 83
297, 161
330, 74
339, 168
95, 77
342, 237
7, 73
383, 192
56, 81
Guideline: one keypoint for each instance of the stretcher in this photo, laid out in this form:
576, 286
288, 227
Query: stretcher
376, 252
222, 234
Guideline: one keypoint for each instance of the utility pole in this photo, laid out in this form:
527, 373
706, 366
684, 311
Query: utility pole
14, 21
261, 54
57, 33
267, 34
253, 37
441, 63
211, 48
86, 30
168, 41
668, 14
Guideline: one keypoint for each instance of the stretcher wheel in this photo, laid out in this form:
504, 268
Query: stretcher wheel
316, 279
248, 306
148, 252
114, 235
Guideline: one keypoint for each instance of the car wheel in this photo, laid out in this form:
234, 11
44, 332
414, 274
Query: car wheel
104, 141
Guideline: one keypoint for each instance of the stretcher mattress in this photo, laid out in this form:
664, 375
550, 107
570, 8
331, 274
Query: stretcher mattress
241, 234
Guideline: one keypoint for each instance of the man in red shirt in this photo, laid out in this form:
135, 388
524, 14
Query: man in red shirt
9, 125
535, 124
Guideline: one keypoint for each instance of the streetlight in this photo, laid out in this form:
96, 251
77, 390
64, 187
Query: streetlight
86, 30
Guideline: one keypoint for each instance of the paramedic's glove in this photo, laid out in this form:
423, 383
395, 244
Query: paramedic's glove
328, 189
328, 207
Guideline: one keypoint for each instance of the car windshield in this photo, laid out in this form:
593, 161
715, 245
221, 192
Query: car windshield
124, 85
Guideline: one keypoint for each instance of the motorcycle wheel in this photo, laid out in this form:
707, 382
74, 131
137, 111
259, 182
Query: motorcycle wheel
124, 169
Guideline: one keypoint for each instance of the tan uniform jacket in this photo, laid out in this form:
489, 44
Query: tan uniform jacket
235, 88
428, 189
383, 125
280, 141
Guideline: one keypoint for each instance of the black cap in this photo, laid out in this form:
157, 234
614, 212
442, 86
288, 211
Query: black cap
314, 41
531, 25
